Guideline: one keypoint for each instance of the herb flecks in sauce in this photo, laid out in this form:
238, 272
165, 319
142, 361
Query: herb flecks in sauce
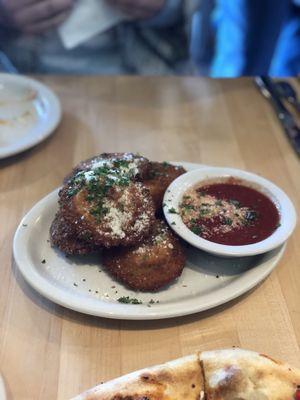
229, 213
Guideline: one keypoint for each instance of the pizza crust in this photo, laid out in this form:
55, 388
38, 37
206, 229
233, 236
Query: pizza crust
237, 374
232, 374
176, 380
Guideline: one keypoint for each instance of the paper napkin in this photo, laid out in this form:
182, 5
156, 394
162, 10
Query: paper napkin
89, 18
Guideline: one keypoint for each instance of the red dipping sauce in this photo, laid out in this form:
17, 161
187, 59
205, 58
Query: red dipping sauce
230, 212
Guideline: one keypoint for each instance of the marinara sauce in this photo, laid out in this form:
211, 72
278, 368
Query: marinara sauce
229, 212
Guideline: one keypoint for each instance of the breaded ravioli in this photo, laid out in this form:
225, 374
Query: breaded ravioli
63, 236
123, 215
151, 265
106, 203
138, 165
160, 176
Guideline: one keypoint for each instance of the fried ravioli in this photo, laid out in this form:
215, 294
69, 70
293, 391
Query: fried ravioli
160, 176
124, 216
141, 164
104, 201
63, 237
151, 265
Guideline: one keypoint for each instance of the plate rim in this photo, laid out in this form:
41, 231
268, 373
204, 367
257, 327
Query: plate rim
56, 114
62, 297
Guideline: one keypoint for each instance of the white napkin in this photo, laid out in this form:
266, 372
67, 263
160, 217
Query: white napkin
89, 18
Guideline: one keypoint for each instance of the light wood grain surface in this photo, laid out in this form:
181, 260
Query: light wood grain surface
48, 352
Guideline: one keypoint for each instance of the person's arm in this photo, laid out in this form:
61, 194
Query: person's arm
247, 34
34, 16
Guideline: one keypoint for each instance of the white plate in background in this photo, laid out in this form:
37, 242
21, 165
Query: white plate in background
81, 284
29, 113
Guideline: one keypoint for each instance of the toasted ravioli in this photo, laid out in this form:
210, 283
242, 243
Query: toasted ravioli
160, 176
123, 217
103, 200
63, 236
150, 265
140, 165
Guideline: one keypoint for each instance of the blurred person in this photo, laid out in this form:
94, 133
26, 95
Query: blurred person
256, 37
202, 43
153, 42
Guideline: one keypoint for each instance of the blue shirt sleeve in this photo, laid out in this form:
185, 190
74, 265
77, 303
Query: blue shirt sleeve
247, 34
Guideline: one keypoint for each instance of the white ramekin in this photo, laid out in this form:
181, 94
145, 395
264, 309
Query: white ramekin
179, 186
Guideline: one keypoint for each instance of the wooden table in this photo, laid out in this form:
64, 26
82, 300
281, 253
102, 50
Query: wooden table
48, 352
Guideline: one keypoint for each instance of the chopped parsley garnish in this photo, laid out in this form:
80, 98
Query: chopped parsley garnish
235, 203
98, 181
75, 184
203, 211
165, 164
172, 210
99, 211
121, 163
227, 221
188, 207
128, 300
196, 229
72, 191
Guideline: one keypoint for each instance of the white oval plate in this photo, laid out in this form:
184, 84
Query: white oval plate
82, 285
29, 113
2, 389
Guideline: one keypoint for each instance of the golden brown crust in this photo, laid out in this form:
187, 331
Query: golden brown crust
151, 265
176, 380
143, 164
160, 176
63, 236
246, 375
232, 374
127, 221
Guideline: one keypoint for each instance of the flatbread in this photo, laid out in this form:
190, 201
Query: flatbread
232, 374
237, 374
176, 380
